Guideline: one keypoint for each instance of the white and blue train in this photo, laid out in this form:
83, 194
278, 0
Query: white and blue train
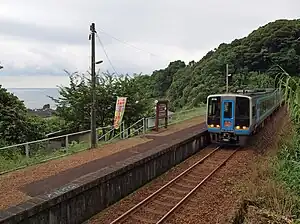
230, 116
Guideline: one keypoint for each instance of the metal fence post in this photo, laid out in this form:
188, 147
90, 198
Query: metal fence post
106, 137
97, 135
124, 134
122, 130
27, 150
90, 142
67, 142
144, 126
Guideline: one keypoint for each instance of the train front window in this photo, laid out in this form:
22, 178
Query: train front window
242, 111
242, 107
228, 110
214, 106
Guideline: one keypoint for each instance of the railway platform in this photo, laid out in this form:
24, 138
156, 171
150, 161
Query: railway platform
22, 185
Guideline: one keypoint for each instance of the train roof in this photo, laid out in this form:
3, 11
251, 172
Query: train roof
229, 94
247, 93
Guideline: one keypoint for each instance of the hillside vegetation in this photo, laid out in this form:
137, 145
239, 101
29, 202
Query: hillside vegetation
252, 60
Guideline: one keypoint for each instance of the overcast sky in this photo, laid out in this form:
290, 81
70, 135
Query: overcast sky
38, 39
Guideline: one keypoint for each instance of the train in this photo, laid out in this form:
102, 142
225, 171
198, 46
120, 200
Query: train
232, 116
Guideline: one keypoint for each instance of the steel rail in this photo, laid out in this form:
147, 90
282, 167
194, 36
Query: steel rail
194, 189
163, 187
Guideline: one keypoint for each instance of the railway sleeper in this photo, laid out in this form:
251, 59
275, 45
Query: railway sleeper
155, 211
140, 219
180, 184
194, 176
172, 197
163, 203
179, 191
191, 181
200, 173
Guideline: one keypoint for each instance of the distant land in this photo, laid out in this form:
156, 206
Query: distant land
35, 98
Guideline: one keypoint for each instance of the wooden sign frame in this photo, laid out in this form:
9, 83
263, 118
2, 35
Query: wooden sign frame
161, 112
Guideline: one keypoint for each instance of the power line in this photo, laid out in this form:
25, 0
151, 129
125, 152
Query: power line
106, 54
124, 42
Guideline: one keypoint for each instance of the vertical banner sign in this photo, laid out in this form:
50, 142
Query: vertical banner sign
119, 112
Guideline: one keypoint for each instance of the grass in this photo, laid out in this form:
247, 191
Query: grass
19, 161
187, 114
274, 186
287, 169
270, 197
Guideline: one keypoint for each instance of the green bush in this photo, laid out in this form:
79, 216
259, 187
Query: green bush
287, 165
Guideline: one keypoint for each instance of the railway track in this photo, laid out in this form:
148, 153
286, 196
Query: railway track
157, 207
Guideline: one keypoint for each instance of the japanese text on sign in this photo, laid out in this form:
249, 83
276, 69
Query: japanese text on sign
119, 112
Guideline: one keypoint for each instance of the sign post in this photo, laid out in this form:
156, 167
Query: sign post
161, 112
119, 112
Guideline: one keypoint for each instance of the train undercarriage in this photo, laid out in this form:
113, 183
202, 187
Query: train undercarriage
227, 138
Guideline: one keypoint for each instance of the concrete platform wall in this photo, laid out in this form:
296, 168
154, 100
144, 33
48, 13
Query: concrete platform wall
84, 197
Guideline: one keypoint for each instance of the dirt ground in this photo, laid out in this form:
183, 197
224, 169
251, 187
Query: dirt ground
218, 199
11, 183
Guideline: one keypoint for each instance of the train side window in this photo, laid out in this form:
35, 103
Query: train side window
263, 106
253, 111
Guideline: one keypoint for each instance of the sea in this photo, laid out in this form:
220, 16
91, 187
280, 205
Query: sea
36, 98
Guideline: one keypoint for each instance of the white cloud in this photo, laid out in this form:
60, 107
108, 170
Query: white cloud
38, 39
34, 81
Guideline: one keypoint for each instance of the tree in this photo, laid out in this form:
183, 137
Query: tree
137, 104
54, 123
74, 102
16, 125
252, 60
46, 107
162, 79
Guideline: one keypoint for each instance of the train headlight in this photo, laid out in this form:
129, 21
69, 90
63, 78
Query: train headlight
244, 127
237, 127
212, 126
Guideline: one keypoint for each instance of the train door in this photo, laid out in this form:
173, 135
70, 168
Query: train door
228, 115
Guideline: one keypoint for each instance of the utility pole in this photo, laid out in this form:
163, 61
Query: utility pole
226, 78
93, 109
